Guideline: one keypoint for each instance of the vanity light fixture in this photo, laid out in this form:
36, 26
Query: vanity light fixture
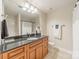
29, 8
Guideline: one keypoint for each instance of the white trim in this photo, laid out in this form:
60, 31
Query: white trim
61, 49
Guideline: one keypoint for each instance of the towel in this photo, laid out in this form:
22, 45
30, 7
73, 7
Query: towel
4, 31
58, 32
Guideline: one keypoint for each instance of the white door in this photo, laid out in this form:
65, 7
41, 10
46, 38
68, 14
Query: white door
76, 32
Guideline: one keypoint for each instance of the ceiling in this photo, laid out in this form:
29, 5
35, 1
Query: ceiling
43, 5
46, 5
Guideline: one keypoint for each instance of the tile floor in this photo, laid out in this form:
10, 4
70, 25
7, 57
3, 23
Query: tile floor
55, 53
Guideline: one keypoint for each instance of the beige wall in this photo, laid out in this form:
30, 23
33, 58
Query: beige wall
43, 24
61, 16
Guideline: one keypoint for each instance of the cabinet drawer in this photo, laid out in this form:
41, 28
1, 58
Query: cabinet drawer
19, 56
15, 51
35, 43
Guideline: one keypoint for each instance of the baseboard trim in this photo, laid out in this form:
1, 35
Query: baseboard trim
61, 49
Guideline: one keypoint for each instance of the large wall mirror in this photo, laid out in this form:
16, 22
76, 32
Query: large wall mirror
23, 18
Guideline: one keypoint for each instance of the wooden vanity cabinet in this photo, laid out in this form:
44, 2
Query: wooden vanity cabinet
18, 53
39, 51
45, 46
32, 53
35, 50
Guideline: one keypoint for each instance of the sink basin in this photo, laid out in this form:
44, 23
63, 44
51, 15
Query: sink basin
7, 41
32, 38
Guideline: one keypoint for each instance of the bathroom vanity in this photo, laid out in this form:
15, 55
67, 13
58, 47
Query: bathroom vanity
29, 49
21, 22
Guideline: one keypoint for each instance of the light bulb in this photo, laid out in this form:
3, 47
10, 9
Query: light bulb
35, 10
27, 5
32, 8
24, 8
29, 10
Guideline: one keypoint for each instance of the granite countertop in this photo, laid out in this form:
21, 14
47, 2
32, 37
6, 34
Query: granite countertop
13, 43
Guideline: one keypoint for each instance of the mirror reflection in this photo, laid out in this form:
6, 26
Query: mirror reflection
22, 18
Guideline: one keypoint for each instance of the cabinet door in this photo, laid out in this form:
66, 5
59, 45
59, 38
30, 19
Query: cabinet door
0, 56
27, 51
17, 53
45, 47
32, 54
39, 51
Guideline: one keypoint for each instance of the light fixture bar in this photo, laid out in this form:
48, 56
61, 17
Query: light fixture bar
29, 8
28, 2
35, 7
